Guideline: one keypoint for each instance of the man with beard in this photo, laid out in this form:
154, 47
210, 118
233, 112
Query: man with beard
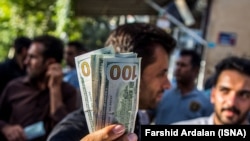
151, 43
230, 94
39, 97
184, 101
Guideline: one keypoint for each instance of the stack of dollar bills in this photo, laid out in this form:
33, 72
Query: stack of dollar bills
109, 86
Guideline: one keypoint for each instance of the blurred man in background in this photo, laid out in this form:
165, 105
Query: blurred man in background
184, 101
38, 97
14, 67
71, 50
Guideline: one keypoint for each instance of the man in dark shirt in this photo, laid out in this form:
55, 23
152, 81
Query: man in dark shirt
40, 96
151, 43
14, 67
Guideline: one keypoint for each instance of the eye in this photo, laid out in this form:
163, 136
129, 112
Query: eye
244, 94
224, 90
164, 72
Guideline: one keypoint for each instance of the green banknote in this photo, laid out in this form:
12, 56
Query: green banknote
109, 86
119, 92
84, 72
97, 67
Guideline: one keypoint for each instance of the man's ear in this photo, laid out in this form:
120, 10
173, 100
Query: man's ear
212, 94
196, 70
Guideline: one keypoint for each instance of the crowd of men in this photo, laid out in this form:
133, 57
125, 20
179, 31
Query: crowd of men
37, 88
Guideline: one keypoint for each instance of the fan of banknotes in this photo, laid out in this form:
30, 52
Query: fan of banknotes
109, 86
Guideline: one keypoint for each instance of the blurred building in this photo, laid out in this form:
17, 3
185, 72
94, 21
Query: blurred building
215, 28
229, 28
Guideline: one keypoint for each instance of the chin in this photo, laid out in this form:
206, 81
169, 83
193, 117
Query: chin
230, 123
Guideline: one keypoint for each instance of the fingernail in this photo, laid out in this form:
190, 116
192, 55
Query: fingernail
132, 137
119, 129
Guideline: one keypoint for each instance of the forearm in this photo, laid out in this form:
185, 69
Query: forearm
57, 107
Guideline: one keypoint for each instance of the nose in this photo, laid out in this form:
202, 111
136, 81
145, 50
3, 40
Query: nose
232, 99
166, 83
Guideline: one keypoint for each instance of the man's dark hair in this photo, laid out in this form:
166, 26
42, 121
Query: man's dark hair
140, 38
242, 65
20, 43
78, 45
53, 47
195, 57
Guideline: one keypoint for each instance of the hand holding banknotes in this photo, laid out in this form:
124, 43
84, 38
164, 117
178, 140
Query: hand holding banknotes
109, 87
14, 133
112, 132
114, 85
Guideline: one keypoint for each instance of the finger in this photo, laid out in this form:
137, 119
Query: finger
21, 134
55, 71
128, 137
113, 132
48, 73
13, 136
55, 66
132, 137
108, 133
10, 137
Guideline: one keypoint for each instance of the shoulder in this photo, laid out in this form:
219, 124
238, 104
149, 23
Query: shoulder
171, 91
5, 65
73, 127
15, 83
8, 63
201, 95
75, 116
13, 88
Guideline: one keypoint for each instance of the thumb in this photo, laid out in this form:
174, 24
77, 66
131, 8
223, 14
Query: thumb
108, 133
114, 131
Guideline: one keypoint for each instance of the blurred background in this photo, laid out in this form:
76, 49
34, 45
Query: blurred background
215, 28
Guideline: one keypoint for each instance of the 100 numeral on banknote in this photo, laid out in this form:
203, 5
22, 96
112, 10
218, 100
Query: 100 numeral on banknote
120, 92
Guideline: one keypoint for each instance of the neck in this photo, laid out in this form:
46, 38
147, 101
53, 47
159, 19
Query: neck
185, 88
39, 82
19, 60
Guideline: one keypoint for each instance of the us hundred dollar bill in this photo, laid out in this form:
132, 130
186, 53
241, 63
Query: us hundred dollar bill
84, 73
97, 75
119, 92
97, 67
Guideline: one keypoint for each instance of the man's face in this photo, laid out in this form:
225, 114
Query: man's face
154, 80
24, 53
183, 69
69, 55
34, 61
231, 98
